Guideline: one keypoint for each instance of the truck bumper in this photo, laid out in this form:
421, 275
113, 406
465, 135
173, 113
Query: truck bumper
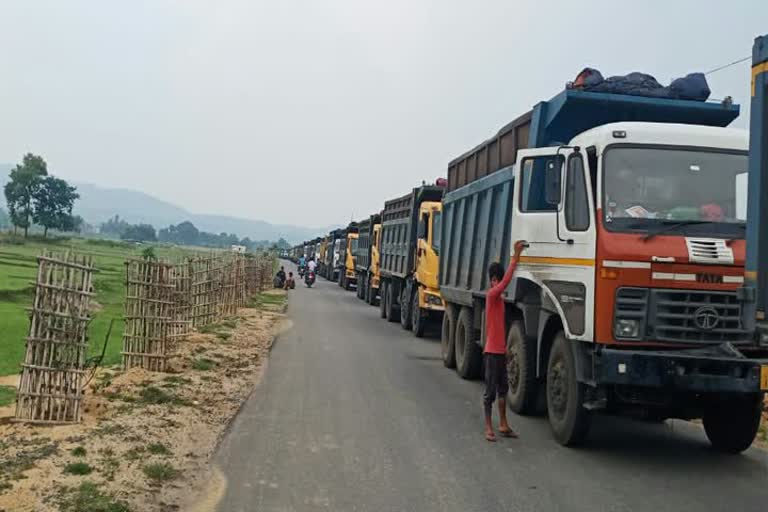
711, 370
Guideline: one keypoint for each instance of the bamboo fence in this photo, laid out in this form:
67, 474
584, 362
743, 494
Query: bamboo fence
148, 339
50, 389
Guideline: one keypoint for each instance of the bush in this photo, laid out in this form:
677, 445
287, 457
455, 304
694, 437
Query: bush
78, 468
160, 472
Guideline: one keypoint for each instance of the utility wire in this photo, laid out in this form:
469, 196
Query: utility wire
720, 68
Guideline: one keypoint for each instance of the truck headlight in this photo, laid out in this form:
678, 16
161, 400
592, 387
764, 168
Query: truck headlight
434, 300
627, 328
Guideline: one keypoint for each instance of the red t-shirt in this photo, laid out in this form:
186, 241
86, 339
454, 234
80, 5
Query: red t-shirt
495, 342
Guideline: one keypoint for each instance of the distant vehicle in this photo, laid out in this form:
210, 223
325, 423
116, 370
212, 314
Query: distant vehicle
240, 249
347, 275
367, 259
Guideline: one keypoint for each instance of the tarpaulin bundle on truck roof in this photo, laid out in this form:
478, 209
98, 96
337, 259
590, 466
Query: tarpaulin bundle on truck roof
691, 87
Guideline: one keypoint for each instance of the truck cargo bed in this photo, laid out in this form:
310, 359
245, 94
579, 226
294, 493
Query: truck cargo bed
398, 229
476, 231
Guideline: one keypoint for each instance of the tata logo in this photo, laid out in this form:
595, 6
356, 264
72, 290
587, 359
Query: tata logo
703, 277
706, 318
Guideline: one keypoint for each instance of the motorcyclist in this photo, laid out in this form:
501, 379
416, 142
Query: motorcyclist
302, 264
279, 281
311, 265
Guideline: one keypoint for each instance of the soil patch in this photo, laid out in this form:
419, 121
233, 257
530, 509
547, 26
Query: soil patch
146, 438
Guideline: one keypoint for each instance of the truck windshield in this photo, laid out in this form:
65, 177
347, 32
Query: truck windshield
648, 187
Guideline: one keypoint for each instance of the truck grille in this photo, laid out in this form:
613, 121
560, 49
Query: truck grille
683, 316
695, 316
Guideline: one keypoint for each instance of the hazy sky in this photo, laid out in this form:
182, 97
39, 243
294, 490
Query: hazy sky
308, 112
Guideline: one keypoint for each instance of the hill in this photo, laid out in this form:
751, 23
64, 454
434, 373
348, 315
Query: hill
97, 204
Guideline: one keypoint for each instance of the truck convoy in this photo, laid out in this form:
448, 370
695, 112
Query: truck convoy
631, 295
367, 259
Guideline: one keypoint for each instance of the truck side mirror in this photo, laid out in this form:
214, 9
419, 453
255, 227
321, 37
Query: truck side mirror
553, 175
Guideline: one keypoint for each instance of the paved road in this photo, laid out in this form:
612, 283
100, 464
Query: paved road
355, 414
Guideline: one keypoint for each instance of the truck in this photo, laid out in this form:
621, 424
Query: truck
409, 256
367, 260
629, 298
346, 264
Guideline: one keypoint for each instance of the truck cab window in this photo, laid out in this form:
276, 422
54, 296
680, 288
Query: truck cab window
437, 222
533, 185
576, 202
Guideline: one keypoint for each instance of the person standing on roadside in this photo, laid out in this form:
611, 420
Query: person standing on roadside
495, 352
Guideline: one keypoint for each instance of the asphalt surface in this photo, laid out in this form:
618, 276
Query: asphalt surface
355, 414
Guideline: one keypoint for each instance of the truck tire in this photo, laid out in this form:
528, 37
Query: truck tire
418, 319
732, 425
447, 339
405, 307
565, 395
341, 279
359, 290
521, 370
469, 355
393, 312
383, 299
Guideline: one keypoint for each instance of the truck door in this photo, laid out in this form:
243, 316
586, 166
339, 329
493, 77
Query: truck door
554, 213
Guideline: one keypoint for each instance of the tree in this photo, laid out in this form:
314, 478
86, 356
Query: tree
140, 233
114, 227
25, 179
183, 234
53, 201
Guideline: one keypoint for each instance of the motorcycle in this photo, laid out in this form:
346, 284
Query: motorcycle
309, 280
302, 271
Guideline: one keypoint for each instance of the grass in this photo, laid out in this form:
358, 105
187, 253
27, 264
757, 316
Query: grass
203, 364
158, 449
152, 395
78, 468
160, 472
88, 498
18, 267
7, 393
79, 451
266, 298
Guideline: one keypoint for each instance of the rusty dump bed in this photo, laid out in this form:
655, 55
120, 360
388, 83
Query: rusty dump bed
557, 121
398, 229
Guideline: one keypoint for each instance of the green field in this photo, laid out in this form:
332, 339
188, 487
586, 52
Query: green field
18, 270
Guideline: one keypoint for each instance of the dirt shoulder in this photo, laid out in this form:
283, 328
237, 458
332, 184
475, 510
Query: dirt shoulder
146, 438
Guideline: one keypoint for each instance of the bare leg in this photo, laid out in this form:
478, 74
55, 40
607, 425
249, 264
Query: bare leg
489, 435
504, 428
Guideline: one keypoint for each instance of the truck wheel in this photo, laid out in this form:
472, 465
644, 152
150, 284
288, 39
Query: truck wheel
447, 345
405, 308
341, 280
565, 395
418, 321
383, 299
521, 370
469, 356
732, 425
393, 313
359, 290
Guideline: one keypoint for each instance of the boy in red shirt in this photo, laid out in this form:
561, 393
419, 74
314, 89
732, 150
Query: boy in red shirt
494, 355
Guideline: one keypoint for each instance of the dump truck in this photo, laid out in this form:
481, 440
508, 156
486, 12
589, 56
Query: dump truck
330, 256
365, 266
629, 297
347, 278
409, 258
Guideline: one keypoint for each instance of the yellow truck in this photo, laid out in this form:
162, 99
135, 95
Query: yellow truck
347, 276
367, 259
410, 259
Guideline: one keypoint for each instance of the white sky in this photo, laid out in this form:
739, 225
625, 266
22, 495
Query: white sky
308, 112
